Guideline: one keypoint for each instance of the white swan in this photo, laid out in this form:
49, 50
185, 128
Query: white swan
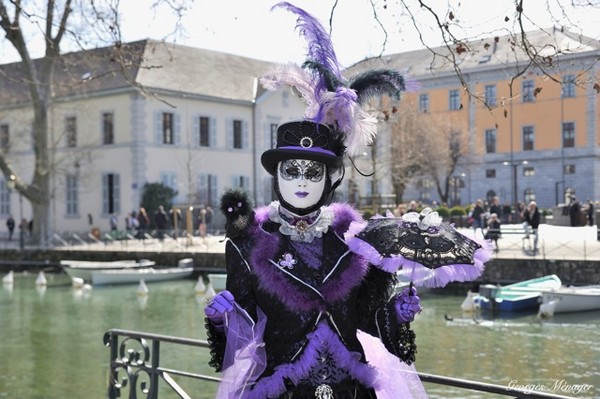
9, 278
41, 279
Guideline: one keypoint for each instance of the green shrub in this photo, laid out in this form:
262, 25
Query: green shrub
457, 211
443, 211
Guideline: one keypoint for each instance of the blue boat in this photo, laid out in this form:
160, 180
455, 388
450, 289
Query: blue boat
524, 295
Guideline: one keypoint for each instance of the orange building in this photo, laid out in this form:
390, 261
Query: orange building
532, 119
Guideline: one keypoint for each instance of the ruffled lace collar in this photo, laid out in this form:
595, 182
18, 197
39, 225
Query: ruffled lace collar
305, 228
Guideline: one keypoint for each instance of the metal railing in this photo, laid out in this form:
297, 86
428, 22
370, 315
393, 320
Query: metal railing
137, 356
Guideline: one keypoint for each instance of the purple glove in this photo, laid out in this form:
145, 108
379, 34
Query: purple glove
217, 306
407, 305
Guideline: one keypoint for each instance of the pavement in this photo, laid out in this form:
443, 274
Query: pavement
554, 242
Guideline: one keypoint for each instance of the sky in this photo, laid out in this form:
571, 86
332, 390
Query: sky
250, 28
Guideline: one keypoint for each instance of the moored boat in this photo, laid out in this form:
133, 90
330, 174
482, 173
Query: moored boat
570, 299
523, 295
83, 269
184, 269
148, 275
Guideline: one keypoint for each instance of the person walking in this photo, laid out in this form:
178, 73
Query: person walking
531, 219
160, 220
10, 225
143, 222
477, 214
575, 212
493, 230
590, 213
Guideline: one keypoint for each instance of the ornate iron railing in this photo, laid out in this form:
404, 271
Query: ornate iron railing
137, 356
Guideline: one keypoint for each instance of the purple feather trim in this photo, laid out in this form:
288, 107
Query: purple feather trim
275, 282
272, 280
320, 339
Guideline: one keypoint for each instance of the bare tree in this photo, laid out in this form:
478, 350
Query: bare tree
444, 144
408, 126
76, 24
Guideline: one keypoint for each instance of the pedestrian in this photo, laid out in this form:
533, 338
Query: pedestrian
287, 326
590, 212
575, 212
143, 223
10, 225
506, 213
531, 221
477, 214
493, 230
113, 222
495, 207
160, 220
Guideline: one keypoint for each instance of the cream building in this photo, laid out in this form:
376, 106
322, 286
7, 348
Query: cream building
195, 120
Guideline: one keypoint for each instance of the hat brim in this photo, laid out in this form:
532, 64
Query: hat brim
271, 158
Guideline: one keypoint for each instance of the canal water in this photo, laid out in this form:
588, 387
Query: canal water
51, 344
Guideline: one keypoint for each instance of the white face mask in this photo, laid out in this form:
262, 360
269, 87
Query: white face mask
301, 182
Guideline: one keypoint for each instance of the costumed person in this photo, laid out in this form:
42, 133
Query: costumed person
304, 313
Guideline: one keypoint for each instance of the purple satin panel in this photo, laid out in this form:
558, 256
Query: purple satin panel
245, 357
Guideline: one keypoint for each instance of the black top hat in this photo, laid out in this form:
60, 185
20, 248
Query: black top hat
305, 140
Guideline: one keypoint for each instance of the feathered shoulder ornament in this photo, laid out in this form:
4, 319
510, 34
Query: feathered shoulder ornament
237, 208
330, 98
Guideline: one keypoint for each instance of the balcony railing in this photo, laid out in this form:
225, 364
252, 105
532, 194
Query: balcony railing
135, 365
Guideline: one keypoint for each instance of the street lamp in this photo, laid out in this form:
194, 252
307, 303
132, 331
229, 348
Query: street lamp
514, 181
12, 184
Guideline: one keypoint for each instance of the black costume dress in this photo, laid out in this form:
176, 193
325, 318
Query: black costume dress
316, 296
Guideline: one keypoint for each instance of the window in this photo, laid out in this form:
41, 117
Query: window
569, 169
424, 102
4, 198
454, 100
273, 135
71, 131
204, 131
4, 137
568, 134
111, 193
167, 128
204, 126
237, 134
529, 195
72, 196
207, 189
528, 137
528, 91
108, 128
490, 95
568, 86
490, 173
241, 182
490, 141
528, 171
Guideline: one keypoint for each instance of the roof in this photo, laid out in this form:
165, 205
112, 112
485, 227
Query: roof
152, 64
490, 52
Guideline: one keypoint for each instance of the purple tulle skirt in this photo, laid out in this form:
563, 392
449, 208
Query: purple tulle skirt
245, 361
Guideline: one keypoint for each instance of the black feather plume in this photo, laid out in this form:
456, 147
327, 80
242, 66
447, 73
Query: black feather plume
377, 82
237, 206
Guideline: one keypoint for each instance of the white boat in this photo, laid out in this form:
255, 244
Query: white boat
83, 269
218, 280
184, 269
570, 299
135, 275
